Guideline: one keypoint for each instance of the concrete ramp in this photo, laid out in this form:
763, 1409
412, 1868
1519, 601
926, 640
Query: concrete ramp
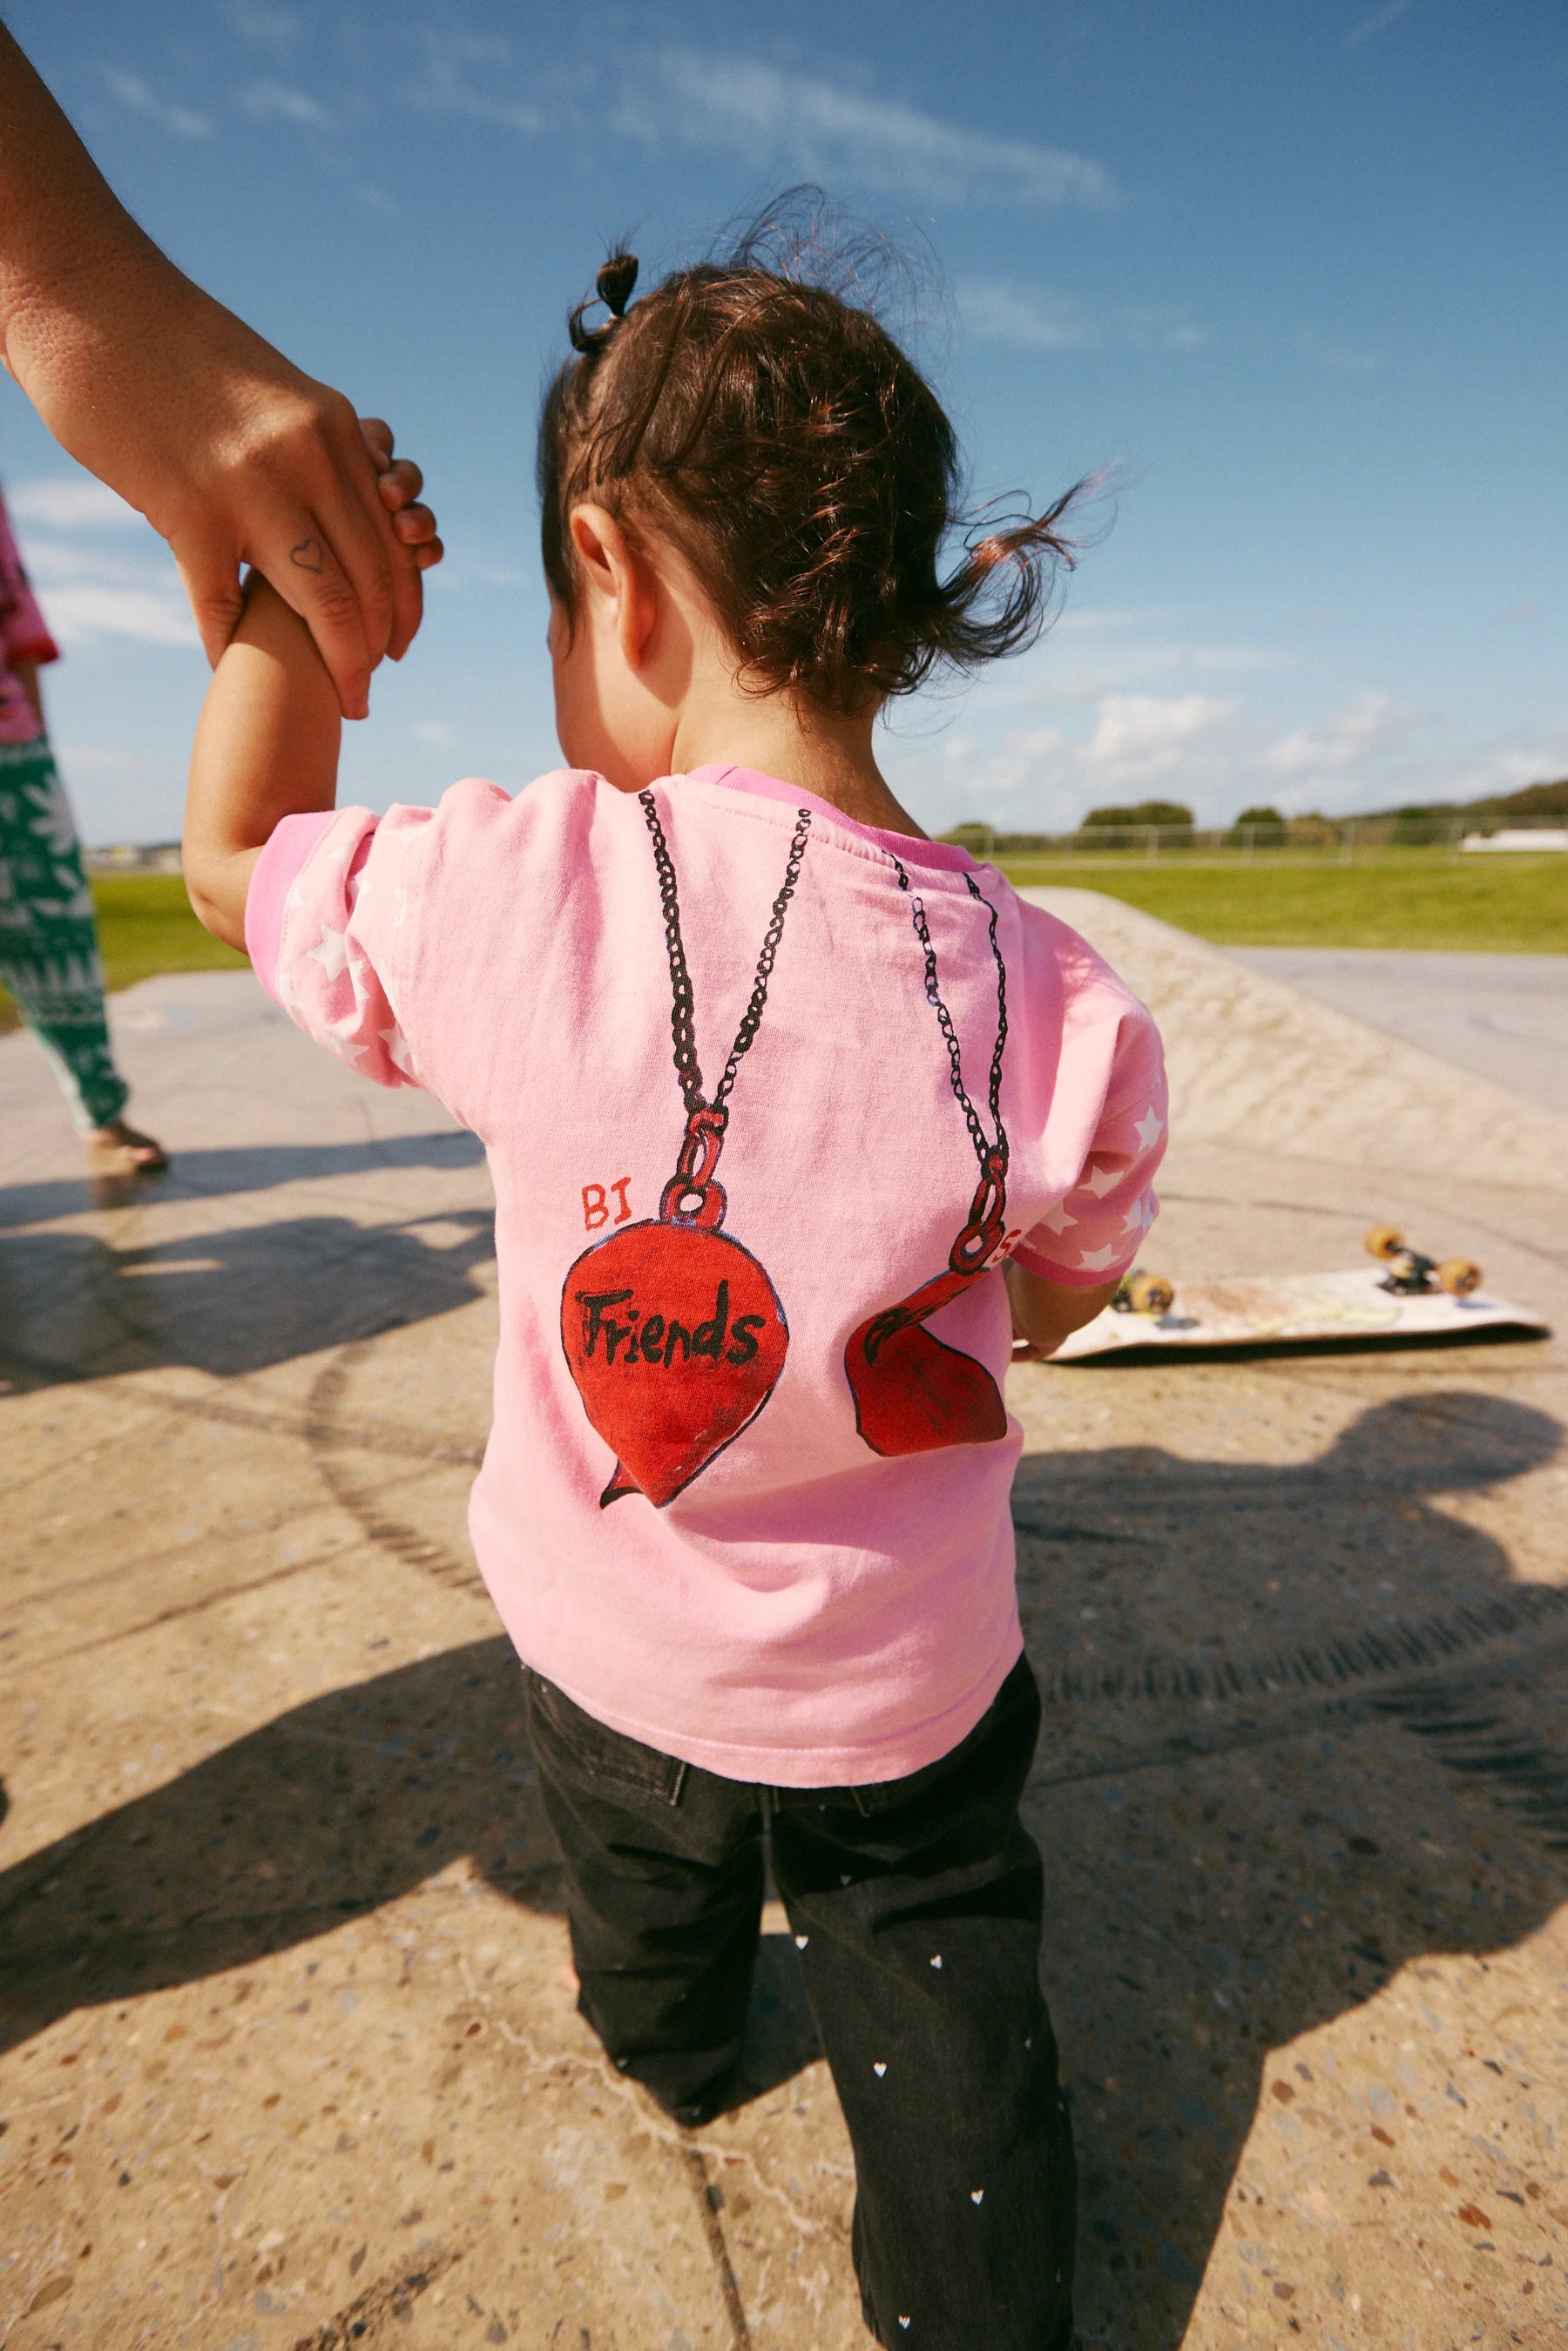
285, 2053
1256, 1064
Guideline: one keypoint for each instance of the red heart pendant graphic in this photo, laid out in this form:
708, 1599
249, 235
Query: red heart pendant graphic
913, 1394
672, 1332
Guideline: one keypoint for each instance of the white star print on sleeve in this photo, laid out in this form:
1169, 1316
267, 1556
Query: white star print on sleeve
396, 1044
330, 951
1140, 1216
342, 933
1108, 1205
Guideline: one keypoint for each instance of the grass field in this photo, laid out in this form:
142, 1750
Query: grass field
1397, 898
145, 925
1411, 898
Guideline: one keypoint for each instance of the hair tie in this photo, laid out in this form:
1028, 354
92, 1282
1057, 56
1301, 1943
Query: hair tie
613, 286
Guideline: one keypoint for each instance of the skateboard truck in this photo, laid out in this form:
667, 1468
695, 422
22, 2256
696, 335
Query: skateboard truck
1410, 1274
1144, 1293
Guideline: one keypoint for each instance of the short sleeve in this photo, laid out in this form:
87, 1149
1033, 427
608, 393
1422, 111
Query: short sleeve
1093, 1234
326, 920
24, 633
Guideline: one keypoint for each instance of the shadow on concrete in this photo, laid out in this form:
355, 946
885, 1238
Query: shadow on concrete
1303, 1729
1239, 1846
216, 1174
324, 1814
74, 1307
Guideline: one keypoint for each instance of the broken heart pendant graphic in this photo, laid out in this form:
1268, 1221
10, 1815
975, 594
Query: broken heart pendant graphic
673, 1330
914, 1392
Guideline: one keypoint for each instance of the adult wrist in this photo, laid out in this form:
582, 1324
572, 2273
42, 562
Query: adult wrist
102, 292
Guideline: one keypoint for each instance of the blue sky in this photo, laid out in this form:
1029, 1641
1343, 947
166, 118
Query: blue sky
1290, 271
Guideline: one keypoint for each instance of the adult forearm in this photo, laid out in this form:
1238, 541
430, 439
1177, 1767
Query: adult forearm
233, 454
59, 259
26, 674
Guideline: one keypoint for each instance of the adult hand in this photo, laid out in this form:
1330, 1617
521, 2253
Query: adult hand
236, 457
231, 452
399, 483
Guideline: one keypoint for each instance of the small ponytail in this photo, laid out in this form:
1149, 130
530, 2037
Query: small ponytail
613, 286
1021, 558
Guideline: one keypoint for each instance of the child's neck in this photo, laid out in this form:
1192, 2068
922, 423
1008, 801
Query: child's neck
817, 751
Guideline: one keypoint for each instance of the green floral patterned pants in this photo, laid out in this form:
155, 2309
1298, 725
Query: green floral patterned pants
48, 942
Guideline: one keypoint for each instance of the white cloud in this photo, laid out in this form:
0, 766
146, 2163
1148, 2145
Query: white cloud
1379, 20
156, 616
829, 131
1506, 767
995, 312
270, 28
1340, 359
1030, 319
1039, 759
1162, 329
463, 572
1142, 736
445, 89
1369, 724
89, 591
131, 92
1091, 653
273, 101
72, 502
770, 116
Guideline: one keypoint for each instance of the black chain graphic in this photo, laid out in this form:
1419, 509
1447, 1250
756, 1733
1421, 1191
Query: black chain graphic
944, 1018
687, 1068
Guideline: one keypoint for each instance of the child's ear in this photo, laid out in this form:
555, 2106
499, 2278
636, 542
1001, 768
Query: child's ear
594, 532
613, 568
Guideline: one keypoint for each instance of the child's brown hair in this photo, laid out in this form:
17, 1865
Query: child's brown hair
801, 463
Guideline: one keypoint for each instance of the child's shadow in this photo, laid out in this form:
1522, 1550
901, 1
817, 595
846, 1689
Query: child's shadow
1301, 1729
1238, 1848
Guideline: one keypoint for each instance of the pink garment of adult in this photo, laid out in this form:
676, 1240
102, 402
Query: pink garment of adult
805, 1611
24, 637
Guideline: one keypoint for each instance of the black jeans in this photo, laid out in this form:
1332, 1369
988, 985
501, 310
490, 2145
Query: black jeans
916, 1906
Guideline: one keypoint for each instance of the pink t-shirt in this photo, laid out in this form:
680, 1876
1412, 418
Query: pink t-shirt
745, 1496
24, 637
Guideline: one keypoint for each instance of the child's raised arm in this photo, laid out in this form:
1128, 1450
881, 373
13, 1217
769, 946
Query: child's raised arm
267, 748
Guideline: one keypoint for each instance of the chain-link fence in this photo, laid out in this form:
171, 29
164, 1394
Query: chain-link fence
1343, 838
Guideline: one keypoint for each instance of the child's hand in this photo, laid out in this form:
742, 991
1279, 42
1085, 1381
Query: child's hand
1046, 1312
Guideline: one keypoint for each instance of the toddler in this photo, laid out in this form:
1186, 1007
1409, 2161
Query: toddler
794, 1117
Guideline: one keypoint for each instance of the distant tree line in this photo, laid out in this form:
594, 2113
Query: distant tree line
1268, 827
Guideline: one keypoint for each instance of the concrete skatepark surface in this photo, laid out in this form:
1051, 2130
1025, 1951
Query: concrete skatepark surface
288, 2060
1503, 1016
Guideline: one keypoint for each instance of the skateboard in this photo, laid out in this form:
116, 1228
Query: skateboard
1403, 1299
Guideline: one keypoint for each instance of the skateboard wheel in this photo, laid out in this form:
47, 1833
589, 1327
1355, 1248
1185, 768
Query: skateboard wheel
1384, 1241
1459, 1276
1149, 1293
